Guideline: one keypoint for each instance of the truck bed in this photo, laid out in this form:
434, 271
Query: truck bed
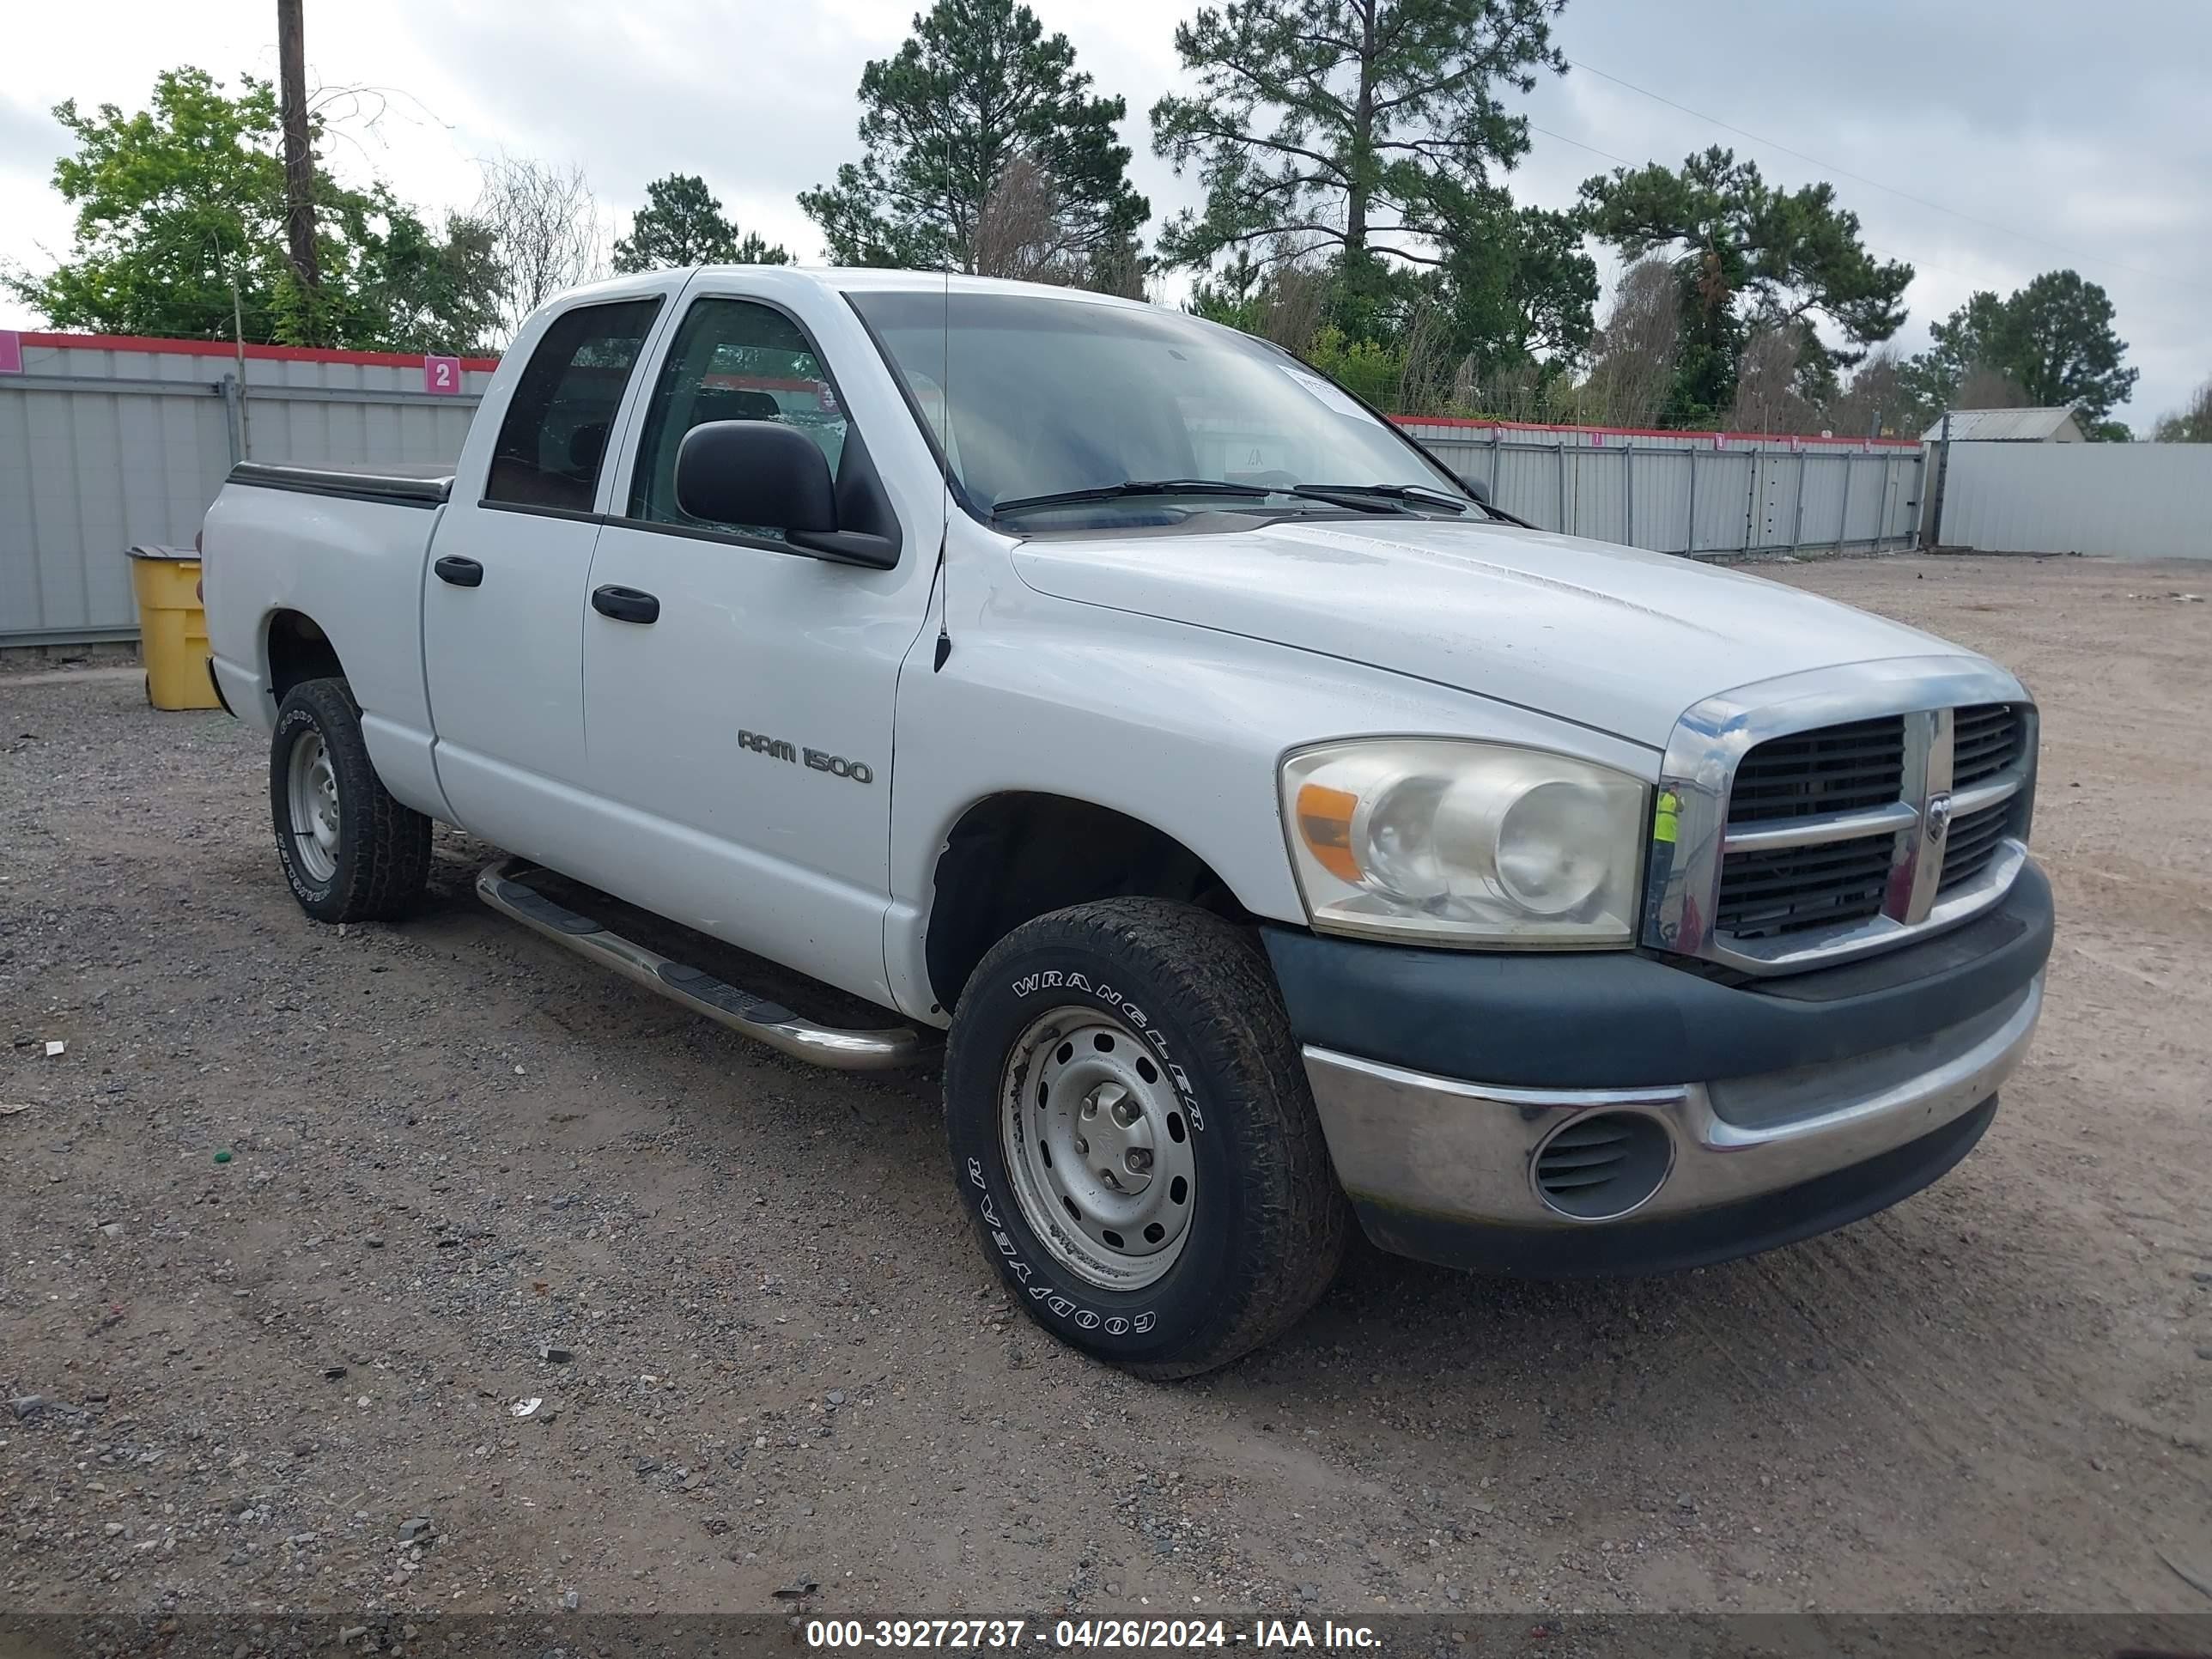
400, 485
340, 554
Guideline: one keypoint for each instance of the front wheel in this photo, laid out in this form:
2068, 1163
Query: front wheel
1131, 1125
350, 851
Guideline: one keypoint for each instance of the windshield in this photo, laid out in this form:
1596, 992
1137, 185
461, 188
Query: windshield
1032, 397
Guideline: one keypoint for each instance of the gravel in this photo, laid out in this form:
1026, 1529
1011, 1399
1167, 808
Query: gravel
285, 1380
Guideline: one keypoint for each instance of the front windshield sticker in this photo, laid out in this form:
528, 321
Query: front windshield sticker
1329, 396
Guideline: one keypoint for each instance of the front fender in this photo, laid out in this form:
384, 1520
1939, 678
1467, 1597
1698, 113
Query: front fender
1180, 727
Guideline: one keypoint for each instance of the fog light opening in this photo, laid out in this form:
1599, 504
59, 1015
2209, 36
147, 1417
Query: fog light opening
1603, 1165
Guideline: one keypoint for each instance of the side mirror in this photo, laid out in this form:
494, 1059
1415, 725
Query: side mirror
755, 472
763, 473
1475, 486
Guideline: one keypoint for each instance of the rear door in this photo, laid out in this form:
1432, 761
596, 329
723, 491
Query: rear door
508, 585
745, 730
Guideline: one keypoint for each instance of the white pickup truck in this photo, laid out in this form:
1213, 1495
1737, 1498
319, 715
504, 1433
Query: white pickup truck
1280, 835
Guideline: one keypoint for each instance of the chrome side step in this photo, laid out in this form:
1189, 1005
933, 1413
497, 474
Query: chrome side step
500, 884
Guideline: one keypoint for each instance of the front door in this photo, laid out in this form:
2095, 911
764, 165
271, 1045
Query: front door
508, 583
745, 730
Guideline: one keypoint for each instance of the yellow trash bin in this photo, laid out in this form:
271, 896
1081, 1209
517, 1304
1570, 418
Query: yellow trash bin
172, 627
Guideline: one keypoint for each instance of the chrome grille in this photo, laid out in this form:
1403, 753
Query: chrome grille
1837, 769
1766, 894
1801, 841
1985, 741
1972, 843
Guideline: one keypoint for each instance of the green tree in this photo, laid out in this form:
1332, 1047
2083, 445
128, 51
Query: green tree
682, 224
1513, 303
1356, 124
1282, 297
1748, 255
2053, 339
1515, 285
179, 232
1965, 364
175, 205
2191, 425
1235, 296
1965, 340
413, 290
977, 88
1367, 368
755, 249
2059, 343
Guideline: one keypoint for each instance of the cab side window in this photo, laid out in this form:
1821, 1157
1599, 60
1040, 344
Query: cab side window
731, 359
554, 437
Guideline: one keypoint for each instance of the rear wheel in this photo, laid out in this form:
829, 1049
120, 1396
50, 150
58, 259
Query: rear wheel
1130, 1123
350, 851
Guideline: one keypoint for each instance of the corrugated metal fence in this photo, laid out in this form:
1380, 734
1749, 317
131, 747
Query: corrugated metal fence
1701, 493
2131, 500
107, 441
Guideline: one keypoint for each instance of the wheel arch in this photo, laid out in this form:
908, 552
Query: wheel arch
296, 648
1016, 855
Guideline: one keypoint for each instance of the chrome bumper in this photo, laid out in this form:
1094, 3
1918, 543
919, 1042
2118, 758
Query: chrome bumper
1454, 1152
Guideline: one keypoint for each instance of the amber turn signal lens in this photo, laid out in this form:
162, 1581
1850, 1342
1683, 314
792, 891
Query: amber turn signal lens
1325, 826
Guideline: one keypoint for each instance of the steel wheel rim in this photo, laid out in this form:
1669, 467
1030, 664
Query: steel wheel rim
1099, 1148
311, 790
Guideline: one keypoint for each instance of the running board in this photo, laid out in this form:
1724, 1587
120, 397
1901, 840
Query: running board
500, 884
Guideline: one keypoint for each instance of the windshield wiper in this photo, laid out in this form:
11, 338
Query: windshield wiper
1410, 494
1135, 487
1360, 498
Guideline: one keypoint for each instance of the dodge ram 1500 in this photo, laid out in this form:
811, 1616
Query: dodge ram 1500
1280, 837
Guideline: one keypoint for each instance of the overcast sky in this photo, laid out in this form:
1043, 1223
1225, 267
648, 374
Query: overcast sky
2056, 133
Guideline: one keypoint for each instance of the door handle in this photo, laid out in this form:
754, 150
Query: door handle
461, 573
625, 605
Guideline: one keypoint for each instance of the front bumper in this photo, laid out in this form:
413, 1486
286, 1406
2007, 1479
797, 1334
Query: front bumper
1781, 1108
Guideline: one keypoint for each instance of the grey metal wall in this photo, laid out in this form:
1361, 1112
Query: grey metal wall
2132, 500
1691, 493
100, 449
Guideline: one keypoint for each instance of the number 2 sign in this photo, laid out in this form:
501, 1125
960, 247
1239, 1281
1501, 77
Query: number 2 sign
442, 375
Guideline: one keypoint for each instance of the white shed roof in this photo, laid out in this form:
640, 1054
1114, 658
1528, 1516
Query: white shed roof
2030, 426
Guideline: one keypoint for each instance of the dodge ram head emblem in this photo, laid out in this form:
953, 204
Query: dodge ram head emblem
1937, 817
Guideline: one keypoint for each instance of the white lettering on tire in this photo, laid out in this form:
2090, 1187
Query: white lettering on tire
1060, 1306
1053, 980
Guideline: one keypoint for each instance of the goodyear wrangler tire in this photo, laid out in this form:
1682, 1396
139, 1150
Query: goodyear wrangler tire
351, 853
1131, 1128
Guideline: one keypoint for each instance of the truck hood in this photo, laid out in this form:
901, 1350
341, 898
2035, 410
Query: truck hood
1611, 637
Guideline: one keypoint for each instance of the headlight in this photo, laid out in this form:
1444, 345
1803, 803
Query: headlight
1474, 844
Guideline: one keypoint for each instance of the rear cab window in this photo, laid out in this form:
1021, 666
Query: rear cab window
554, 439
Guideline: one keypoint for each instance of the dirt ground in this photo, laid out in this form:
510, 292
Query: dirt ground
249, 1383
